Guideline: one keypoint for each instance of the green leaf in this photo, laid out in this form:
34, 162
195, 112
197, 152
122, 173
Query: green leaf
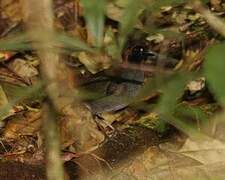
167, 105
188, 129
193, 112
22, 42
20, 94
129, 19
153, 122
150, 86
111, 46
172, 92
72, 43
16, 42
214, 68
94, 13
3, 97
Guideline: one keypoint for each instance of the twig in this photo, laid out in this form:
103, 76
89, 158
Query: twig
38, 16
60, 85
52, 144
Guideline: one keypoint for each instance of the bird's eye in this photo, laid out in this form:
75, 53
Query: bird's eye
138, 54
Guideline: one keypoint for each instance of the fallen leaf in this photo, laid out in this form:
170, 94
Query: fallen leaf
205, 151
196, 85
22, 124
23, 69
94, 62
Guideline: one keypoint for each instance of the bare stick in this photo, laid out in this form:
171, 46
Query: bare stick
59, 85
39, 18
54, 166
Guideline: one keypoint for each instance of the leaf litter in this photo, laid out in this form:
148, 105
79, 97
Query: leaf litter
175, 31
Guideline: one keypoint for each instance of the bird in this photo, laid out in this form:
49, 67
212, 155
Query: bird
119, 86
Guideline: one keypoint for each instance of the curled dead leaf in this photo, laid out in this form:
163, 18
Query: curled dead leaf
23, 69
78, 127
22, 124
95, 62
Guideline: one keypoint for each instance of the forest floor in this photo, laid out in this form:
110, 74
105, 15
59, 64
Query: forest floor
126, 100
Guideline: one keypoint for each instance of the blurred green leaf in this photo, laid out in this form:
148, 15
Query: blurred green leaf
214, 67
72, 43
22, 42
205, 1
172, 92
21, 93
87, 95
170, 85
150, 86
193, 112
110, 42
3, 97
153, 122
129, 19
6, 111
16, 42
185, 127
4, 105
94, 13
167, 105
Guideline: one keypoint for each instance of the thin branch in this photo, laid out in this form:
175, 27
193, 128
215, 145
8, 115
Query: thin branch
38, 16
59, 83
52, 144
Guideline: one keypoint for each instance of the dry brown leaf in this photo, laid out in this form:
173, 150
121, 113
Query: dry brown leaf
196, 85
69, 125
127, 115
95, 62
22, 124
9, 77
23, 69
114, 12
11, 9
216, 4
205, 151
6, 55
156, 163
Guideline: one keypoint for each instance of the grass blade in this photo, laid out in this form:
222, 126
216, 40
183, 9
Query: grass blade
172, 93
94, 13
129, 19
16, 42
73, 43
214, 67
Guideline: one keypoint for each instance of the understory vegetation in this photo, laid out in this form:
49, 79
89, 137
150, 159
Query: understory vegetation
112, 89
